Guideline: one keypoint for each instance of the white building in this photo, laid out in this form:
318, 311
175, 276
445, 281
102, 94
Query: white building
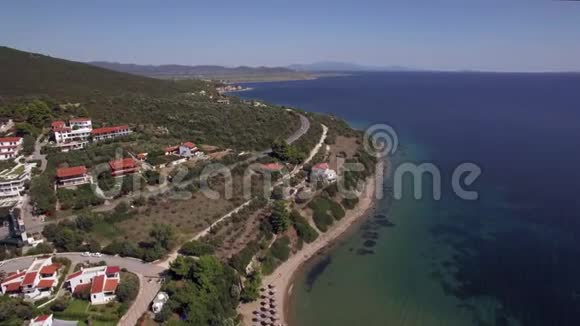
42, 320
35, 283
9, 147
106, 133
159, 301
14, 181
73, 136
322, 172
101, 280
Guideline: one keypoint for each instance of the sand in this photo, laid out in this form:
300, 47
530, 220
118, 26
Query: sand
282, 279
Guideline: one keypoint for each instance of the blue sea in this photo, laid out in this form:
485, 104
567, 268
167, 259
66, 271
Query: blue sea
512, 257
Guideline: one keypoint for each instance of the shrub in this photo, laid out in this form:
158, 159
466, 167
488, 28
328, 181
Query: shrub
281, 249
303, 228
196, 248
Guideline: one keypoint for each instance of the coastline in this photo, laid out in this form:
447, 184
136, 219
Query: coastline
284, 276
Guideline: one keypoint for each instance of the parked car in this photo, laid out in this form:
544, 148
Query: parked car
97, 254
86, 254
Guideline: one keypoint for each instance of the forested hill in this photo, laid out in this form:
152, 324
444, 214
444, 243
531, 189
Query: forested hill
25, 73
205, 71
170, 111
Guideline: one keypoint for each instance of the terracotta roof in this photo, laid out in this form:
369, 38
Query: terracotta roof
171, 149
43, 284
321, 166
58, 124
79, 119
112, 269
189, 144
73, 275
126, 163
61, 129
71, 172
13, 287
82, 287
111, 285
142, 156
49, 269
98, 282
273, 166
106, 130
29, 278
9, 139
13, 276
42, 318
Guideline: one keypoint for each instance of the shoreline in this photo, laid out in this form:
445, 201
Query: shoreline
284, 276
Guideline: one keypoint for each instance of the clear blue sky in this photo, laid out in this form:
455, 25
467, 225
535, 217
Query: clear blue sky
532, 35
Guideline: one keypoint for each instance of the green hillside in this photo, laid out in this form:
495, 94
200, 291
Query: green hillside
167, 110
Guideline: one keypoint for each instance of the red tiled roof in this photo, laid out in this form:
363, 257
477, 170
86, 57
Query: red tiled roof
273, 166
44, 284
112, 269
49, 269
142, 156
73, 275
29, 278
170, 149
126, 163
13, 276
58, 124
189, 144
81, 287
320, 166
79, 119
111, 285
9, 139
42, 318
13, 287
71, 172
97, 286
63, 129
106, 130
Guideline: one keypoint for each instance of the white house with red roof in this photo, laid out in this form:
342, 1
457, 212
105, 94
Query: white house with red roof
10, 147
72, 176
42, 320
72, 136
34, 283
187, 149
101, 280
100, 134
322, 172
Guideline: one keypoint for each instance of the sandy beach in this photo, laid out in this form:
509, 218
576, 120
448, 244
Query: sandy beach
283, 277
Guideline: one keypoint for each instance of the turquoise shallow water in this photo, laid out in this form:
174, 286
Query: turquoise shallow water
508, 258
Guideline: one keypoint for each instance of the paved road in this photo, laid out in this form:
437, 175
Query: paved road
36, 154
148, 278
304, 126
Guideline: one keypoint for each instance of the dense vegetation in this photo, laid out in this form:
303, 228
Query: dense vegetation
202, 292
14, 312
306, 232
325, 211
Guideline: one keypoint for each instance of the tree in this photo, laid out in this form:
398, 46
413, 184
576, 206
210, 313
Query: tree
196, 248
163, 234
128, 288
279, 218
251, 290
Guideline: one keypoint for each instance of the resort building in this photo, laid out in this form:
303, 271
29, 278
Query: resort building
42, 320
322, 172
72, 136
123, 167
106, 133
34, 283
271, 167
13, 182
72, 176
187, 149
101, 280
9, 147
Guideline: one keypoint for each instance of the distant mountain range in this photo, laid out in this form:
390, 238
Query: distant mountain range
337, 66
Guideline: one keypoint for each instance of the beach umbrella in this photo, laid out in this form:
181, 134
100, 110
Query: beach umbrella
270, 286
272, 305
262, 289
256, 312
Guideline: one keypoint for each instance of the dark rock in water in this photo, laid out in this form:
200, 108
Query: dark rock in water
350, 249
364, 252
316, 271
369, 243
370, 235
385, 223
366, 227
380, 216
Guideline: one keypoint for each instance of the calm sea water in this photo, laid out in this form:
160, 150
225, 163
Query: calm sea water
510, 258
